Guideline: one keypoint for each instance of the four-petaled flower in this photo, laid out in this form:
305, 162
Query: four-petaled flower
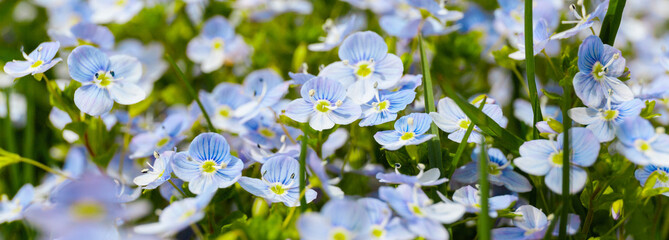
604, 121
409, 130
500, 172
641, 144
451, 119
38, 61
160, 171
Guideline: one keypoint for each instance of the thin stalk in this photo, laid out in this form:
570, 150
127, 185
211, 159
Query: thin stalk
292, 209
566, 121
191, 91
29, 134
529, 68
463, 143
303, 167
484, 189
183, 194
434, 144
42, 166
9, 139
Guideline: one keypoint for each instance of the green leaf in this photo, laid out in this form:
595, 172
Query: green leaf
38, 76
138, 108
612, 21
434, 144
551, 96
299, 56
403, 160
647, 112
77, 127
502, 57
103, 159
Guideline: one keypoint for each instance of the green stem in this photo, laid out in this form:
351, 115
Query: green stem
10, 141
29, 133
183, 194
42, 166
529, 68
434, 144
484, 186
191, 91
612, 21
303, 167
566, 121
463, 143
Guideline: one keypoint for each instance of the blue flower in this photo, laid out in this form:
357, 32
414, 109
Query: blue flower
85, 34
221, 105
540, 39
423, 217
211, 48
523, 111
409, 130
336, 32
316, 165
500, 172
177, 216
385, 106
642, 175
279, 182
532, 224
599, 66
105, 80
108, 11
13, 210
427, 178
366, 66
470, 197
208, 164
406, 20
265, 88
544, 157
266, 133
338, 219
603, 121
151, 57
160, 171
161, 139
265, 10
451, 119
323, 104
384, 225
38, 61
583, 20
638, 142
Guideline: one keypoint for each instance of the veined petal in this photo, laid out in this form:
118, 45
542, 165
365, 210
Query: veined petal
17, 69
299, 110
577, 179
320, 121
254, 186
388, 71
589, 53
85, 61
185, 168
584, 115
93, 100
126, 67
126, 93
589, 90
209, 146
346, 113
363, 46
340, 72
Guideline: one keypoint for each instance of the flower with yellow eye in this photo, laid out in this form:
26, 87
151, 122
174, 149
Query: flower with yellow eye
409, 130
38, 61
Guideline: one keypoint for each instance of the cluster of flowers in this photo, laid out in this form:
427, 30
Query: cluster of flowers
367, 87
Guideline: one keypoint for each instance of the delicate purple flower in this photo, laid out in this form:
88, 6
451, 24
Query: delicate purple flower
104, 79
470, 197
641, 144
409, 130
544, 157
500, 172
604, 121
38, 61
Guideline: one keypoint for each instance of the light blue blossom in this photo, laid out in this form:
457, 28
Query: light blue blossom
540, 38
406, 19
38, 61
544, 157
323, 104
279, 182
115, 11
385, 106
151, 57
266, 133
662, 181
265, 10
583, 20
599, 66
384, 225
523, 111
84, 34
603, 121
470, 197
641, 144
75, 165
366, 66
160, 171
221, 105
500, 172
336, 32
162, 138
376, 6
409, 130
211, 48
338, 219
451, 119
265, 88
177, 216
327, 184
532, 224
105, 80
208, 164
12, 210
423, 217
424, 178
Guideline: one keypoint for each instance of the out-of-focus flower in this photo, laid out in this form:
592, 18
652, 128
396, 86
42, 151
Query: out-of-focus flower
84, 34
17, 108
338, 219
38, 61
213, 47
12, 210
160, 171
279, 182
641, 144
265, 10
544, 157
105, 80
409, 130
264, 88
424, 178
323, 104
366, 66
116, 11
336, 32
163, 138
151, 57
177, 216
540, 39
500, 172
470, 197
208, 164
532, 224
583, 20
642, 175
384, 225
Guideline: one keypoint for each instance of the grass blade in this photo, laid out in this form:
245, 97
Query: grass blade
463, 144
612, 21
484, 190
434, 144
566, 121
529, 68
192, 92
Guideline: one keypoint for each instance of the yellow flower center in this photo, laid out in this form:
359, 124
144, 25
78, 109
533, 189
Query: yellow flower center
88, 210
121, 2
323, 106
162, 142
383, 105
407, 136
104, 78
377, 232
224, 111
494, 169
278, 189
37, 64
340, 235
598, 71
610, 114
218, 44
556, 158
266, 132
209, 166
464, 123
642, 145
415, 209
186, 214
364, 70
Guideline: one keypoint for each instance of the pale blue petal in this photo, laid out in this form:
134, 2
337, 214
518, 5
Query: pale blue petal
514, 181
17, 69
577, 179
589, 90
604, 130
185, 168
508, 233
126, 93
620, 91
325, 88
85, 61
209, 146
126, 67
584, 115
584, 144
280, 169
427, 228
466, 174
363, 46
387, 71
340, 72
218, 27
98, 35
299, 110
347, 113
254, 186
93, 100
589, 53
313, 226
320, 121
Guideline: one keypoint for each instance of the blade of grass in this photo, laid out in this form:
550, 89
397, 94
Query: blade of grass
434, 144
463, 144
566, 121
303, 166
29, 133
191, 91
611, 21
529, 68
507, 140
484, 190
9, 140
